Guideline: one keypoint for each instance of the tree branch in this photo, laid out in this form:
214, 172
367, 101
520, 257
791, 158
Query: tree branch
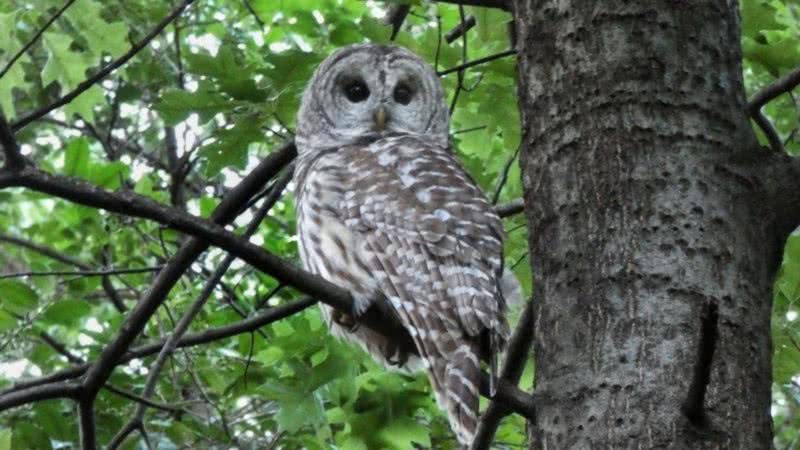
37, 393
501, 4
776, 178
105, 71
511, 208
113, 296
35, 38
379, 317
476, 62
779, 87
27, 388
516, 355
460, 29
14, 159
44, 250
196, 307
81, 273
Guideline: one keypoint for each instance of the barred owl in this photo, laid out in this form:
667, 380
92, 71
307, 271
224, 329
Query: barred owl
385, 210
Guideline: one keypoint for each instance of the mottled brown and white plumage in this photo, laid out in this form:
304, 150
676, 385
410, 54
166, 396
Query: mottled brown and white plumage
385, 210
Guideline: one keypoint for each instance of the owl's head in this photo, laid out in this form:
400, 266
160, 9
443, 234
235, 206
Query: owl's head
371, 90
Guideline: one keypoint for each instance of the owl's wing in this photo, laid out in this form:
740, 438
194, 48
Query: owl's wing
435, 250
416, 194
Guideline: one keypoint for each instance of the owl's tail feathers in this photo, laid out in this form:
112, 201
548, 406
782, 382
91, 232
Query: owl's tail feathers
461, 396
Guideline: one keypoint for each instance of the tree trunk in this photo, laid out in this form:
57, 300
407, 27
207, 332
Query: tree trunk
652, 274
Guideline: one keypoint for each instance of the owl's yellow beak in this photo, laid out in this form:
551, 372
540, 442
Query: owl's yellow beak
381, 117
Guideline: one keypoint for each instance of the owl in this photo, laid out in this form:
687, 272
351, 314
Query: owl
385, 210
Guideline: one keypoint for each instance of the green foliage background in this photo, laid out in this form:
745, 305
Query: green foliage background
230, 92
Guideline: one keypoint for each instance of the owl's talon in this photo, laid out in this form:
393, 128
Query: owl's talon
394, 356
346, 321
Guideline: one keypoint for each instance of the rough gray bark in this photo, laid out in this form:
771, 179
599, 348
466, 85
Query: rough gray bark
651, 240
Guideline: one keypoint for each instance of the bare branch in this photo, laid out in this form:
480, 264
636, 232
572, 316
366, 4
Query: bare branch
395, 17
14, 158
88, 430
477, 62
196, 307
44, 250
511, 208
214, 334
189, 251
253, 13
516, 355
113, 296
504, 176
37, 393
782, 86
460, 29
105, 71
771, 134
501, 4
81, 273
35, 37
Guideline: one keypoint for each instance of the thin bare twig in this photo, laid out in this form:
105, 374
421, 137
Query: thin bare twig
253, 13
477, 62
504, 176
196, 307
266, 317
462, 72
770, 133
81, 273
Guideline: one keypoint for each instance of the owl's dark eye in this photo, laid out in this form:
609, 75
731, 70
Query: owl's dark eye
402, 94
356, 91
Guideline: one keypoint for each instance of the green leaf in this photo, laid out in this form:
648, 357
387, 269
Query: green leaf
319, 357
230, 148
67, 312
16, 297
63, 65
76, 158
757, 15
402, 434
175, 105
7, 321
5, 439
101, 36
109, 175
305, 410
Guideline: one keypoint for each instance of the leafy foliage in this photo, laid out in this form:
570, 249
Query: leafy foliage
226, 88
223, 84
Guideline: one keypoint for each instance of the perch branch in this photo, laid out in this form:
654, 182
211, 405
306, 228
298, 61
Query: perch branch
266, 317
516, 355
196, 307
379, 317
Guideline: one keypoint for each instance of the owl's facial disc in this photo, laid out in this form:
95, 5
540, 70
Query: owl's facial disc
369, 90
